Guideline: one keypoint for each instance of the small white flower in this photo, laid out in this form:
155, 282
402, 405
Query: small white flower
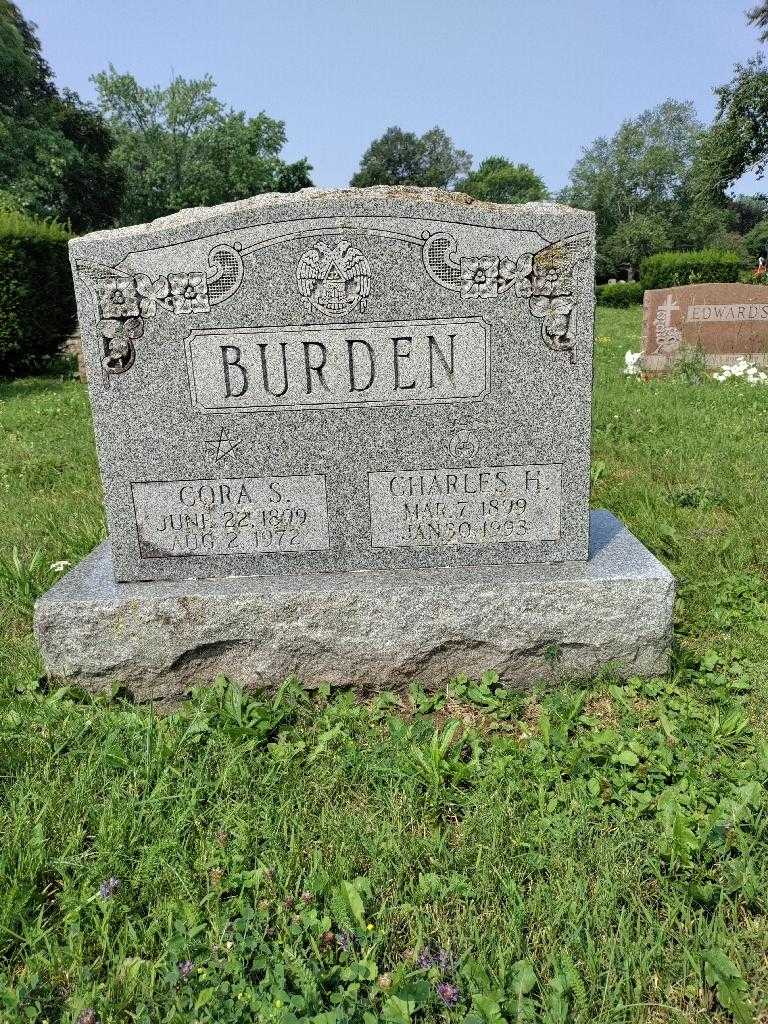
744, 369
633, 363
60, 566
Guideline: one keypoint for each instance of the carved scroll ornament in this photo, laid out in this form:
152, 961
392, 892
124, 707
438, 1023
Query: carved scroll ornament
126, 299
545, 278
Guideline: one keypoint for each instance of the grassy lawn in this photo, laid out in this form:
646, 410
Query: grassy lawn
595, 852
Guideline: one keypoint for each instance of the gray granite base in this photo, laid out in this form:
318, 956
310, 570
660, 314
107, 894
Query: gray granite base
374, 630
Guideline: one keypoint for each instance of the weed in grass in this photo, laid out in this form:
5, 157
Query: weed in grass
21, 582
690, 366
698, 497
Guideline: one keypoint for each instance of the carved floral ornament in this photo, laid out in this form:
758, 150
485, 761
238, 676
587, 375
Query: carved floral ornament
335, 281
545, 278
125, 299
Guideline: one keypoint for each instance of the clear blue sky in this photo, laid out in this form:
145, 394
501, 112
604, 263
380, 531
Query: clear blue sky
533, 80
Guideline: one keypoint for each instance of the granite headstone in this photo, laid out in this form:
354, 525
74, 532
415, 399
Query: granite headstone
394, 381
361, 379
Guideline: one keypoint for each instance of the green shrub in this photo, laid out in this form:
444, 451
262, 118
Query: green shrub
37, 301
623, 294
668, 269
755, 242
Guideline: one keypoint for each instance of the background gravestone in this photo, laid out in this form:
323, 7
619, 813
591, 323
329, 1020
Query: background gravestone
391, 381
345, 380
723, 321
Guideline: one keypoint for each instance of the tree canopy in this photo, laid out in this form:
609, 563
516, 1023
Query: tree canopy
638, 182
758, 15
54, 149
660, 181
498, 180
404, 158
179, 146
756, 241
642, 169
738, 140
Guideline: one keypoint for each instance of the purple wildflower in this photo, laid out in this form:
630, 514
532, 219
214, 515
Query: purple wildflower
185, 969
88, 1017
108, 888
425, 959
344, 941
447, 993
307, 896
439, 958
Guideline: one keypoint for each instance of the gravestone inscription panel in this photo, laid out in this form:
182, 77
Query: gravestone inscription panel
360, 379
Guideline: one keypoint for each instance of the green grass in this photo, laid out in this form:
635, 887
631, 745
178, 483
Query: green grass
595, 852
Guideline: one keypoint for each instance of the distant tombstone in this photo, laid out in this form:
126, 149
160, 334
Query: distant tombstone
723, 321
291, 387
612, 280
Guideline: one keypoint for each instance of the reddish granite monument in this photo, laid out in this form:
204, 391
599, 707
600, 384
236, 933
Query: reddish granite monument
724, 321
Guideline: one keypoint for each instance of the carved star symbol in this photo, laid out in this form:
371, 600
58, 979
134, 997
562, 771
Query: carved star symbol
223, 445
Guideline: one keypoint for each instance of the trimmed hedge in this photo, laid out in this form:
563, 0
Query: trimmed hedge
37, 300
668, 269
623, 294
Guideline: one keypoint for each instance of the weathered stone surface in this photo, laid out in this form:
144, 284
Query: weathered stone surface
724, 321
361, 379
372, 629
346, 436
